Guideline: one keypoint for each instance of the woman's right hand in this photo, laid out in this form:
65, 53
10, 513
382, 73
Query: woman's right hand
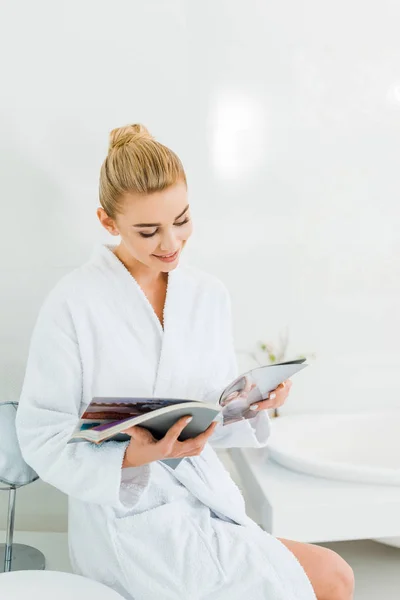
144, 448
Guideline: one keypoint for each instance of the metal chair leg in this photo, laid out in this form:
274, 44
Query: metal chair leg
18, 557
12, 496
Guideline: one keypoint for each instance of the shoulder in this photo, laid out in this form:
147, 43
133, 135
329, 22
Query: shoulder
98, 275
75, 287
205, 283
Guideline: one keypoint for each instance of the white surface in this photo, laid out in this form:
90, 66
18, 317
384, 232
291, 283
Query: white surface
286, 117
288, 126
313, 509
48, 585
357, 448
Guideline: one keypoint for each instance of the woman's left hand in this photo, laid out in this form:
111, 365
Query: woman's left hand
275, 398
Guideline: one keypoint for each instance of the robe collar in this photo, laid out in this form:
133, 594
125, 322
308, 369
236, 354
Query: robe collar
104, 253
171, 335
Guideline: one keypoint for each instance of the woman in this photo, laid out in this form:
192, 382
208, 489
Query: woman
131, 322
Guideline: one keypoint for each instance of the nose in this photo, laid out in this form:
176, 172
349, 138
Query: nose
169, 241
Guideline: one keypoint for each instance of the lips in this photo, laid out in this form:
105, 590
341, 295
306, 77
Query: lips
168, 257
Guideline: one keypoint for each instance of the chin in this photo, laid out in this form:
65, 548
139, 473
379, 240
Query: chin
169, 268
166, 268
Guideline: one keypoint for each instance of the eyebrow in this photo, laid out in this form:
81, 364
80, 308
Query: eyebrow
159, 224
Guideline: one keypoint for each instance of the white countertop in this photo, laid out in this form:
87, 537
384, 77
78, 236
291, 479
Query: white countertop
313, 509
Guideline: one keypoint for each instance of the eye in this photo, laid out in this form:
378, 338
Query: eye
182, 222
148, 235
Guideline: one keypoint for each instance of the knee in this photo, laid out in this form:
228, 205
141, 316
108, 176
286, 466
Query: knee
341, 579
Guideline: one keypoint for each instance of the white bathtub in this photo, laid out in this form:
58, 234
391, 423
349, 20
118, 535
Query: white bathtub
361, 448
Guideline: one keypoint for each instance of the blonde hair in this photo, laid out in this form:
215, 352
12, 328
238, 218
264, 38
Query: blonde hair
136, 163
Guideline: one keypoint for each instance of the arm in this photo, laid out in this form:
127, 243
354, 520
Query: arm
247, 433
49, 410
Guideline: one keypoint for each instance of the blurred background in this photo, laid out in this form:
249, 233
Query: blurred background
286, 116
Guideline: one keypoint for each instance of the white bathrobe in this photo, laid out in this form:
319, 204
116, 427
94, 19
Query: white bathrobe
149, 532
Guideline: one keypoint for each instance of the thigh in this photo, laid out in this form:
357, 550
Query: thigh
257, 566
322, 565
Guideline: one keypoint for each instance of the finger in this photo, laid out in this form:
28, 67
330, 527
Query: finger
202, 438
175, 431
265, 404
279, 396
285, 384
281, 391
278, 390
130, 431
140, 433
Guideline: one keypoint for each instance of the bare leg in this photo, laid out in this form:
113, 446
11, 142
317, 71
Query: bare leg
331, 577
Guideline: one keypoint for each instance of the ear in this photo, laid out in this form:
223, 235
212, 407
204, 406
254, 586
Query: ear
107, 222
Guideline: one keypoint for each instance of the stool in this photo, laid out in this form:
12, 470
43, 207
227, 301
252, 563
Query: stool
14, 473
48, 585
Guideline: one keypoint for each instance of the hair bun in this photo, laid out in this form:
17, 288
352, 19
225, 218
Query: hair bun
122, 136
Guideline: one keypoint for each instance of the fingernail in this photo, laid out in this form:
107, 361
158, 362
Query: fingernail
254, 407
272, 396
189, 419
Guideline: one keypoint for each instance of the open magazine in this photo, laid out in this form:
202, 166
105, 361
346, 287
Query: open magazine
253, 387
105, 418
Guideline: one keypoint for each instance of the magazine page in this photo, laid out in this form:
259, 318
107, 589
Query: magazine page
122, 408
103, 413
254, 386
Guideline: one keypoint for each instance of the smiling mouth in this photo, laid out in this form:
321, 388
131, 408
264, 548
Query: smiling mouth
166, 255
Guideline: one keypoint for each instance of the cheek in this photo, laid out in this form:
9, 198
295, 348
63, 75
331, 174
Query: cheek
149, 245
141, 247
186, 232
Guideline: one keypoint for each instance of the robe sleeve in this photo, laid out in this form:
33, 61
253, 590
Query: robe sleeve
249, 433
49, 410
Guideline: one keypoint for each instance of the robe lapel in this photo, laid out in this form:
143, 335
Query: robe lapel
168, 339
168, 376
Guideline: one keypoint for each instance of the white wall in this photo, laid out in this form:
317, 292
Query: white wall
286, 116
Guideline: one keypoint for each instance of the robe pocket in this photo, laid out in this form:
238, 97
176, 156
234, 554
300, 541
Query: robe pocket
164, 553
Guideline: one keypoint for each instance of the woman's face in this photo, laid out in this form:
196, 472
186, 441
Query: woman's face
153, 228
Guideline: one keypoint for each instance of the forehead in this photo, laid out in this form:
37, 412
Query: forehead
163, 206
